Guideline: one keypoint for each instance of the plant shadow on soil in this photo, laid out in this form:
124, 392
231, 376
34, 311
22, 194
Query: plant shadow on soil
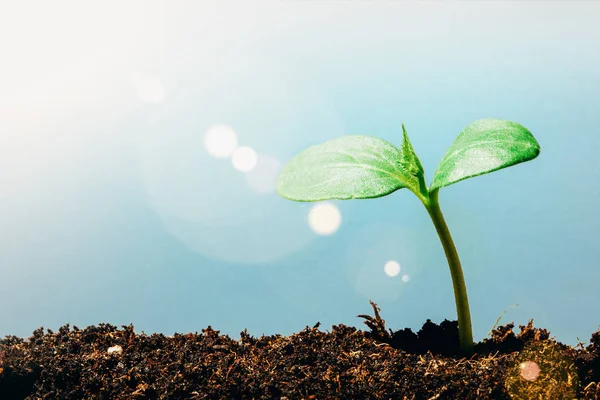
103, 362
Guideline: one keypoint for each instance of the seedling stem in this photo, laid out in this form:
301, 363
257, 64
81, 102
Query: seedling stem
465, 331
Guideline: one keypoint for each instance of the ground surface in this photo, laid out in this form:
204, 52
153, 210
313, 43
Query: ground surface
103, 362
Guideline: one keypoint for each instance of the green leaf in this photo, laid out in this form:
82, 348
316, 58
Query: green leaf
412, 166
350, 167
484, 146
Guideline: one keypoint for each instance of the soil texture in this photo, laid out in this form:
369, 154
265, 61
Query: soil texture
104, 362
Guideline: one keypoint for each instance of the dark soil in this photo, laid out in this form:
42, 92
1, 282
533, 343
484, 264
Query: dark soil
103, 362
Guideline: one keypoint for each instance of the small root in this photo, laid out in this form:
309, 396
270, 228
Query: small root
376, 324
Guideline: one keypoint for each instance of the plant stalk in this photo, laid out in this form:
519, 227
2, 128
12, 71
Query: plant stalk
465, 331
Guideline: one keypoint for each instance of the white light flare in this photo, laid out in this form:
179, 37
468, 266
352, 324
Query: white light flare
405, 278
244, 159
220, 141
324, 218
391, 268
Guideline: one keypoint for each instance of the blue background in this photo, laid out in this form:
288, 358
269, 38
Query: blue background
112, 211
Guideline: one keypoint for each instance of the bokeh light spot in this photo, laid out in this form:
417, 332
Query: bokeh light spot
149, 87
530, 370
392, 268
405, 278
220, 141
204, 202
553, 374
368, 248
263, 178
244, 159
324, 218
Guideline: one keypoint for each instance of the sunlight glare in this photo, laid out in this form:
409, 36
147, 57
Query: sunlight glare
220, 141
324, 218
149, 87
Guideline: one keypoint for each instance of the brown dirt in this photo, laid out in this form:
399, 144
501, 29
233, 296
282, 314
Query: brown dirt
103, 362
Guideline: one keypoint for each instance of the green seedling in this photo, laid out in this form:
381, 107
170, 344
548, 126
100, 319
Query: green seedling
364, 167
